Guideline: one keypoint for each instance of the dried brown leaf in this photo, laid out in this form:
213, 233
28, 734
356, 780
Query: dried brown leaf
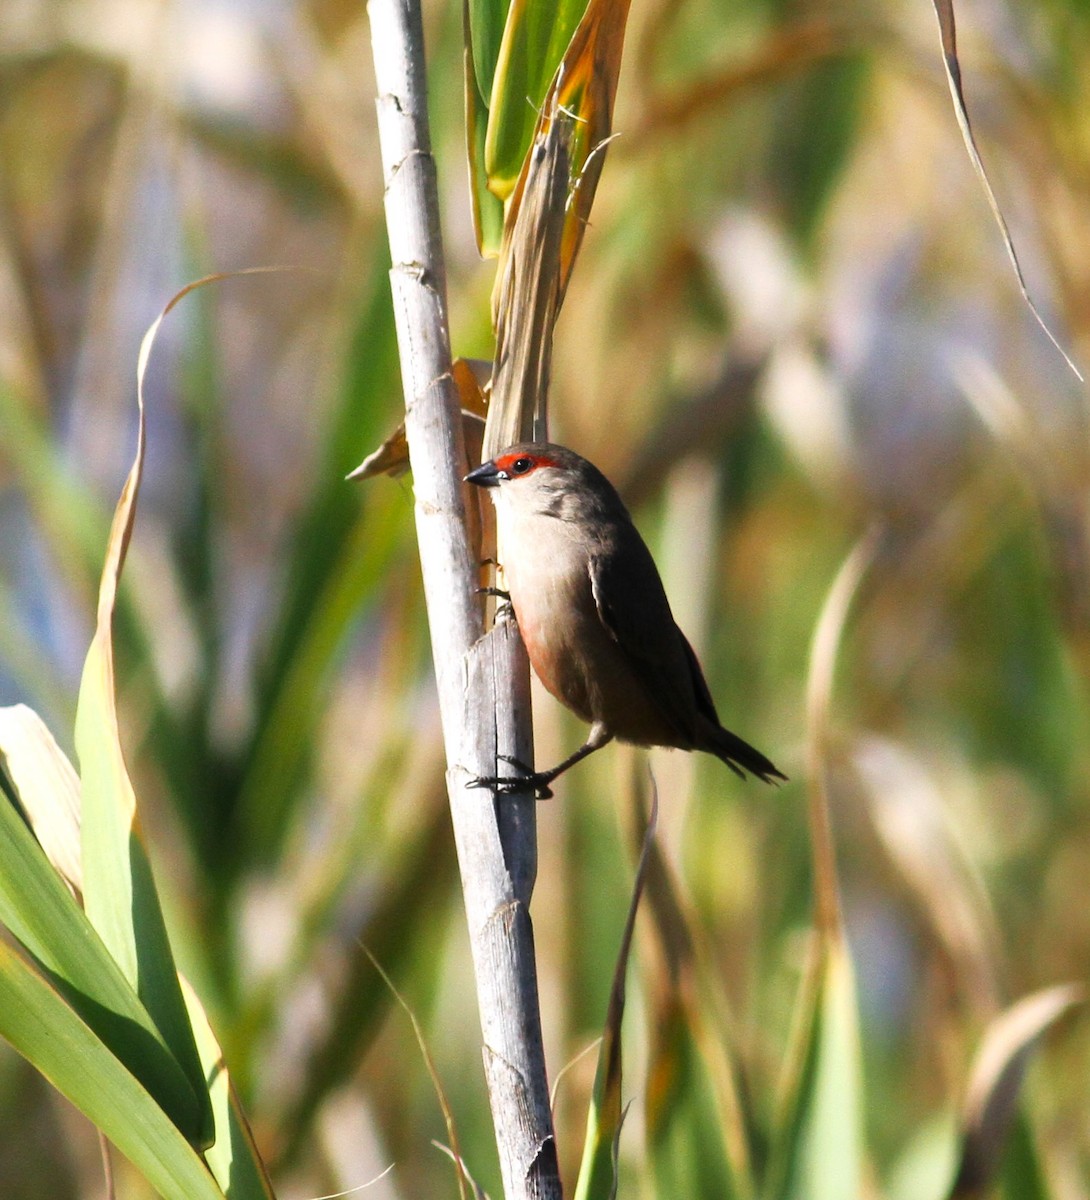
996, 1078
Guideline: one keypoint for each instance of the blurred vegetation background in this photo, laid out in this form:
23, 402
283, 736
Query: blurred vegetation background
793, 319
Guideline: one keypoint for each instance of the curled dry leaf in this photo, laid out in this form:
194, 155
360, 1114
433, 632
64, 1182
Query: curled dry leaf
995, 1079
472, 379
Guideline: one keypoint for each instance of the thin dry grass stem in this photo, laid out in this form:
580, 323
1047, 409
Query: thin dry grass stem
576, 1058
478, 1192
824, 653
944, 10
360, 1187
606, 1114
433, 1073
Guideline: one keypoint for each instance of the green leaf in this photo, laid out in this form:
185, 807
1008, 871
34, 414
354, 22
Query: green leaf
38, 1023
488, 209
41, 912
926, 1164
484, 23
534, 40
233, 1158
818, 1154
118, 888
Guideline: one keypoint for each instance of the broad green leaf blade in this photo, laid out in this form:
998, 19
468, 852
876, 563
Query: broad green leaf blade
40, 911
46, 786
535, 37
38, 1023
944, 10
485, 21
583, 90
233, 1158
487, 208
119, 890
818, 1154
995, 1082
597, 1171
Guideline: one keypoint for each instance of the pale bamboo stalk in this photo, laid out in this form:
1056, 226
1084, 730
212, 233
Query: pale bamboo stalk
483, 689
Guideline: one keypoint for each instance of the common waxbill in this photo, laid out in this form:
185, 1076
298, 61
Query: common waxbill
594, 616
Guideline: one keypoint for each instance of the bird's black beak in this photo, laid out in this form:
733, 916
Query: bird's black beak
486, 475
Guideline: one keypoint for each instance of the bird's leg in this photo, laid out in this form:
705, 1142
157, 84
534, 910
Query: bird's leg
538, 781
499, 593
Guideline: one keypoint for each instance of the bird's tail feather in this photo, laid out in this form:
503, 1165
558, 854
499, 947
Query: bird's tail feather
740, 756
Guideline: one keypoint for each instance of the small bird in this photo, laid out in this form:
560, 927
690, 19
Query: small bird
594, 617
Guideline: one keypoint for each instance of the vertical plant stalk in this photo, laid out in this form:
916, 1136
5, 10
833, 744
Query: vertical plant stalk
483, 695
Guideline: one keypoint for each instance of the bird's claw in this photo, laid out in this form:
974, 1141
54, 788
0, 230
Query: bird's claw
512, 785
517, 763
504, 610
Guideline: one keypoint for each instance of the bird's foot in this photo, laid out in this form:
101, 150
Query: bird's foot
509, 785
504, 610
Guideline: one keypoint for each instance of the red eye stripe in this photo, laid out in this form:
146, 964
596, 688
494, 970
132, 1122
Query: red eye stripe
506, 462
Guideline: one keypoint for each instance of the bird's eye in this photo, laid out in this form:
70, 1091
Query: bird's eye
521, 465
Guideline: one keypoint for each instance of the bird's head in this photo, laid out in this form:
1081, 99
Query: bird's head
517, 465
544, 478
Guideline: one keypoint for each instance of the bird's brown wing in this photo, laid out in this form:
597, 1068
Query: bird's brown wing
633, 607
